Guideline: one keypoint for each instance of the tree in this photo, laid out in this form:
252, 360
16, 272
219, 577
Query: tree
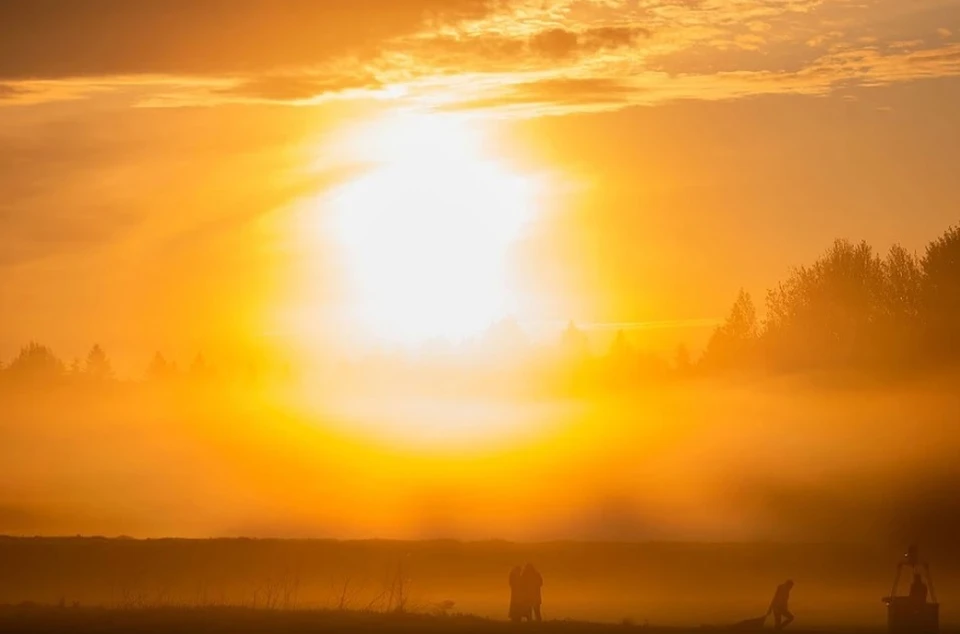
98, 366
941, 296
826, 315
734, 343
159, 369
36, 364
903, 279
899, 321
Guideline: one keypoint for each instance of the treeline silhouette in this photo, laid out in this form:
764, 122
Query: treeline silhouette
851, 310
37, 365
502, 360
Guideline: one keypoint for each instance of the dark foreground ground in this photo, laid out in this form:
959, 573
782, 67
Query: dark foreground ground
43, 619
663, 584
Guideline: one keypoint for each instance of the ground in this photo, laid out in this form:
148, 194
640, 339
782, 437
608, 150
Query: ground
42, 619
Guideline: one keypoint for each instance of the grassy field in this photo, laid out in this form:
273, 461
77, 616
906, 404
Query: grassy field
662, 584
41, 619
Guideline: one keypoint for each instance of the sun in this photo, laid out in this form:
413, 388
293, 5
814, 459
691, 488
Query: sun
425, 234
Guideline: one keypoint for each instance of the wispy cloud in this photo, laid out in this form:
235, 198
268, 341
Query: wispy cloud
518, 57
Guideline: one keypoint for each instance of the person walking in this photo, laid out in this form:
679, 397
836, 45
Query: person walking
779, 606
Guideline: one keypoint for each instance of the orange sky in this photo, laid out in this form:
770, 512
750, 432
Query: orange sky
205, 175
156, 155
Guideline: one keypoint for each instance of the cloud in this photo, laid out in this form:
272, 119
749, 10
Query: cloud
9, 91
555, 42
46, 39
489, 51
519, 56
847, 68
594, 56
562, 42
295, 87
556, 92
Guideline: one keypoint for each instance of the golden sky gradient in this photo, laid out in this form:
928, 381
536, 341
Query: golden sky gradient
320, 178
170, 169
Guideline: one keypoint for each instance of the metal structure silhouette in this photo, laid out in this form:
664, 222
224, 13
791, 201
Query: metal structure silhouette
913, 613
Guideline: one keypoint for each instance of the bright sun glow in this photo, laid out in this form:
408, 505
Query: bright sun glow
426, 233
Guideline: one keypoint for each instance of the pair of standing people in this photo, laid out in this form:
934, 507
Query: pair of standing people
525, 596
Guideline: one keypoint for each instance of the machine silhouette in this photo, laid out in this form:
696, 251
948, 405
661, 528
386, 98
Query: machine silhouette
913, 613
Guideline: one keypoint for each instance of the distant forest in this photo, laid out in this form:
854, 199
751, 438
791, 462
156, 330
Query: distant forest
852, 310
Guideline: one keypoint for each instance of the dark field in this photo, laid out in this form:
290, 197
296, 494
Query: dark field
290, 585
189, 620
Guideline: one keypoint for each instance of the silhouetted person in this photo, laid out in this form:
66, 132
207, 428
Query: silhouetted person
779, 606
918, 590
532, 581
519, 606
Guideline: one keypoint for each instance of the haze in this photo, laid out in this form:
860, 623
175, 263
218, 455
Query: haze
424, 268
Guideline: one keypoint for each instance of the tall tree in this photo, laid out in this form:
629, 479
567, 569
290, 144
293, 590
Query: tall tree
899, 326
734, 343
826, 315
159, 369
36, 364
98, 365
941, 296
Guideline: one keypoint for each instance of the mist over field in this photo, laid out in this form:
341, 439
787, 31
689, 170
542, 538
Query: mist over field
692, 460
423, 315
